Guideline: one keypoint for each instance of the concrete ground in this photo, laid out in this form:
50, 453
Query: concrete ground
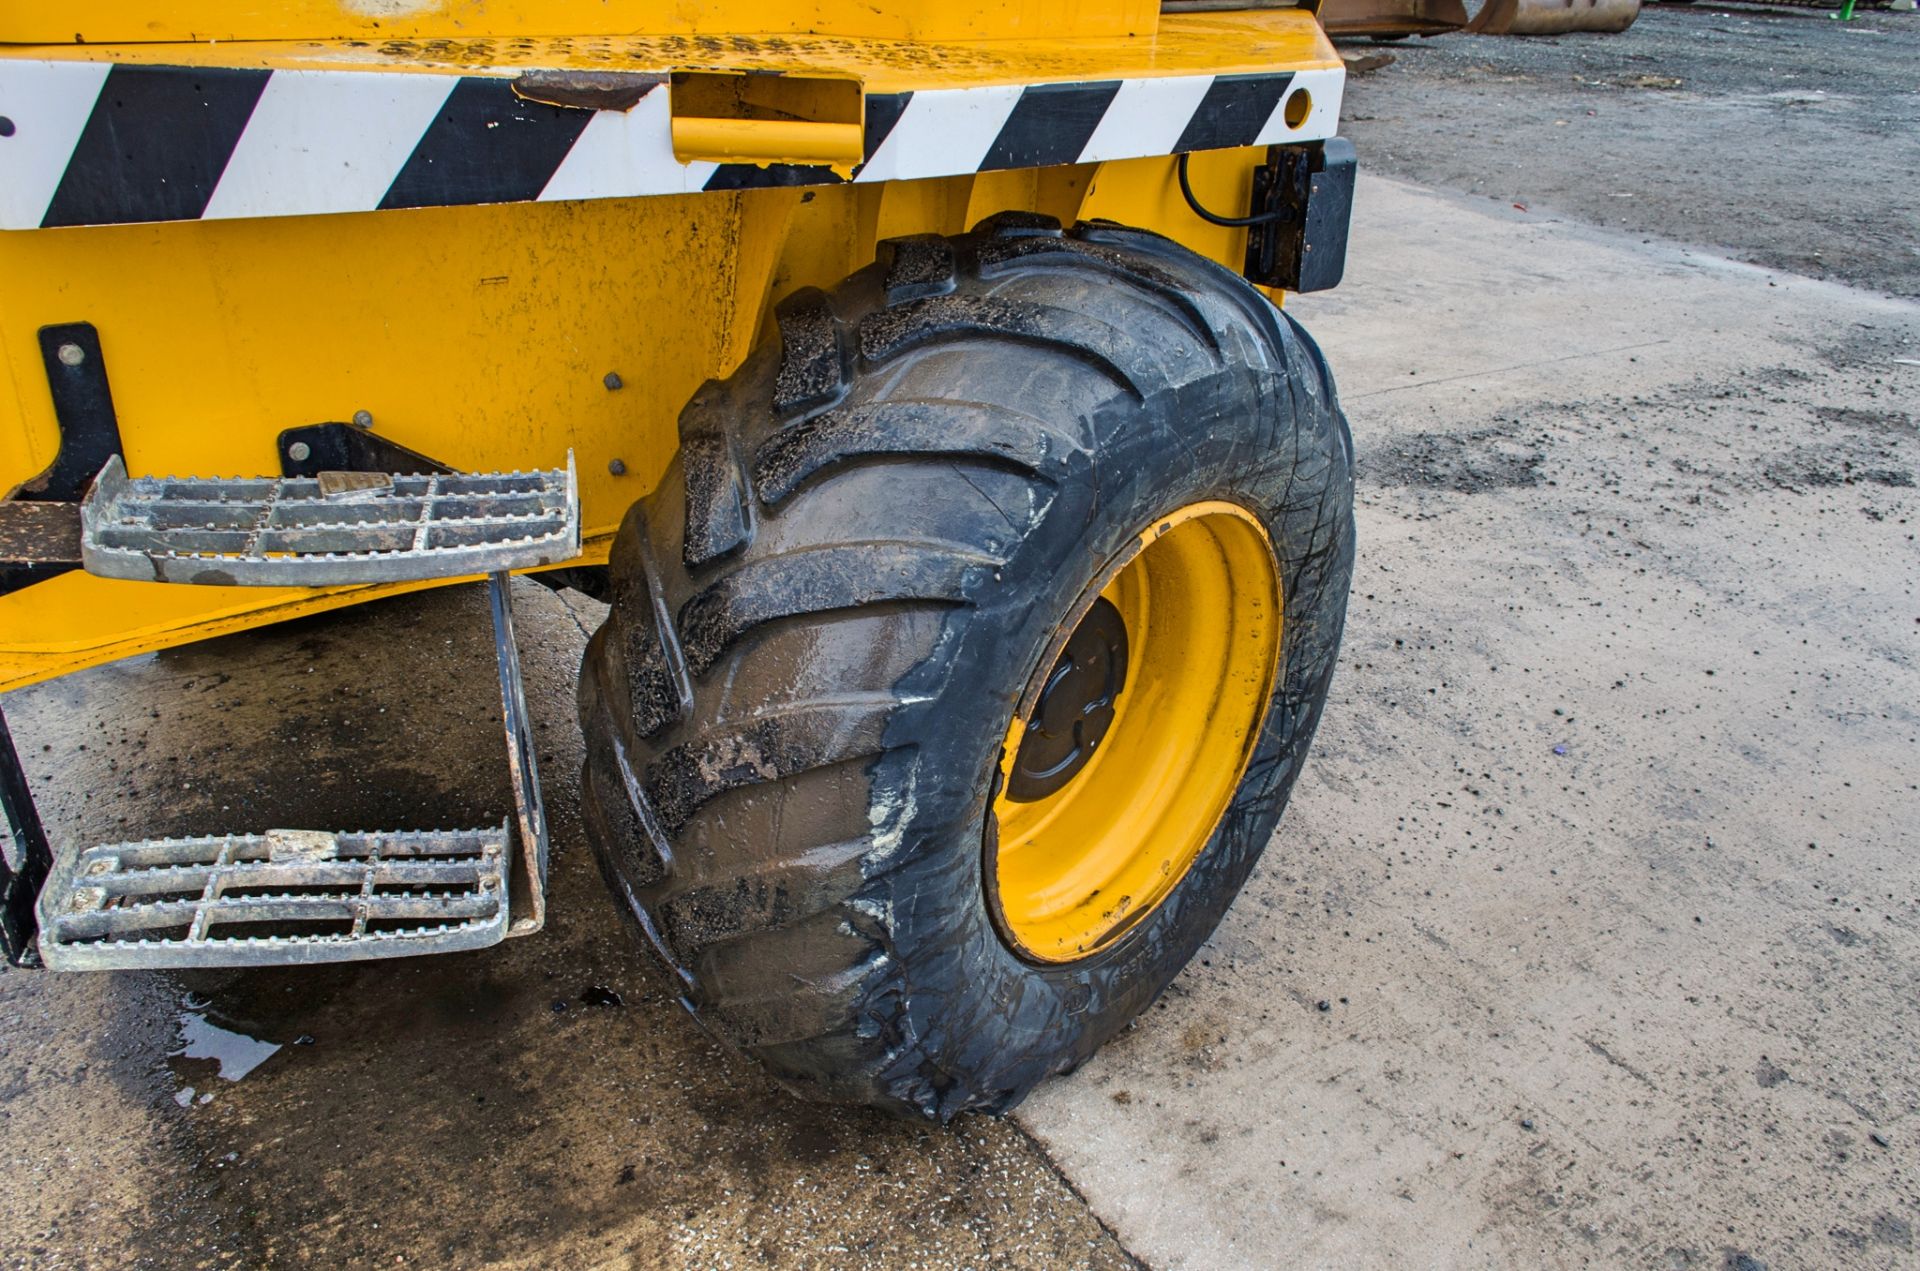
1592, 936
1604, 867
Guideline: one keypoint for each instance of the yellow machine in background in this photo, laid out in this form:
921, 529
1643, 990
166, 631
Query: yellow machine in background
1395, 19
445, 290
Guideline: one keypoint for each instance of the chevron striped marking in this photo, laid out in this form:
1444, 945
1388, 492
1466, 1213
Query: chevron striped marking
94, 144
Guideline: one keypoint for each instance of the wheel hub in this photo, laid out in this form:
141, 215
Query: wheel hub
1114, 782
1076, 707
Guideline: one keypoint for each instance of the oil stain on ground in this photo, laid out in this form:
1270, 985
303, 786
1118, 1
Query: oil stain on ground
1464, 463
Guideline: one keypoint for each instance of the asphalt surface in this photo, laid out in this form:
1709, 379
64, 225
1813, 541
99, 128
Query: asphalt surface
1592, 937
1775, 134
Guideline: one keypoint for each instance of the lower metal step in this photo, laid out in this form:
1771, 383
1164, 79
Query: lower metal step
337, 528
279, 898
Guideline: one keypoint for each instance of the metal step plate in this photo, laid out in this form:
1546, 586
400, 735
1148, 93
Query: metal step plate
337, 528
274, 899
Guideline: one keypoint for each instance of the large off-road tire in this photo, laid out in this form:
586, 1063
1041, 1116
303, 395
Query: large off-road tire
876, 535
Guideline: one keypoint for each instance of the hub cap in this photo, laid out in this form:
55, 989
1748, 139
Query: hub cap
1076, 706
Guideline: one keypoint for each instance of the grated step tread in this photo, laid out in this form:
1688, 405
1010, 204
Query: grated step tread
168, 903
327, 530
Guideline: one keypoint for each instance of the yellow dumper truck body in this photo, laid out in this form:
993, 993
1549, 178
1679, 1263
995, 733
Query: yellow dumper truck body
908, 378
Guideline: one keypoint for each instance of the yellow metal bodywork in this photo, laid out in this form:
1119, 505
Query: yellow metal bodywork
226, 21
483, 335
1238, 43
737, 118
1201, 602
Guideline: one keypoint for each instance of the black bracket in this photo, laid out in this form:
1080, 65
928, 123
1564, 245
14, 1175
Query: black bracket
1308, 189
25, 858
311, 449
83, 404
89, 436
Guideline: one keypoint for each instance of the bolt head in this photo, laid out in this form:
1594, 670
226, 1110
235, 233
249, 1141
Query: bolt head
72, 355
613, 381
618, 467
299, 452
363, 419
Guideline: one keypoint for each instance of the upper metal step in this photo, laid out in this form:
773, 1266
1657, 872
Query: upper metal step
279, 898
338, 528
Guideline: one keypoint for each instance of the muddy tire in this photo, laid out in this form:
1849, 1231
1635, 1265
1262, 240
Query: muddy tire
824, 617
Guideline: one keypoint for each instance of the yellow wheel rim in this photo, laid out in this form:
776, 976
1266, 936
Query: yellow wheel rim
1075, 866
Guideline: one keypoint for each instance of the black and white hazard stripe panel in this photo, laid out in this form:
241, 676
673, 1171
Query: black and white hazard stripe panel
98, 144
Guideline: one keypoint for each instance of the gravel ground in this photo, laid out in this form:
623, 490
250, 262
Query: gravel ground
1774, 134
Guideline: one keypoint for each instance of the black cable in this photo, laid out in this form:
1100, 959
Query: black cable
1231, 222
